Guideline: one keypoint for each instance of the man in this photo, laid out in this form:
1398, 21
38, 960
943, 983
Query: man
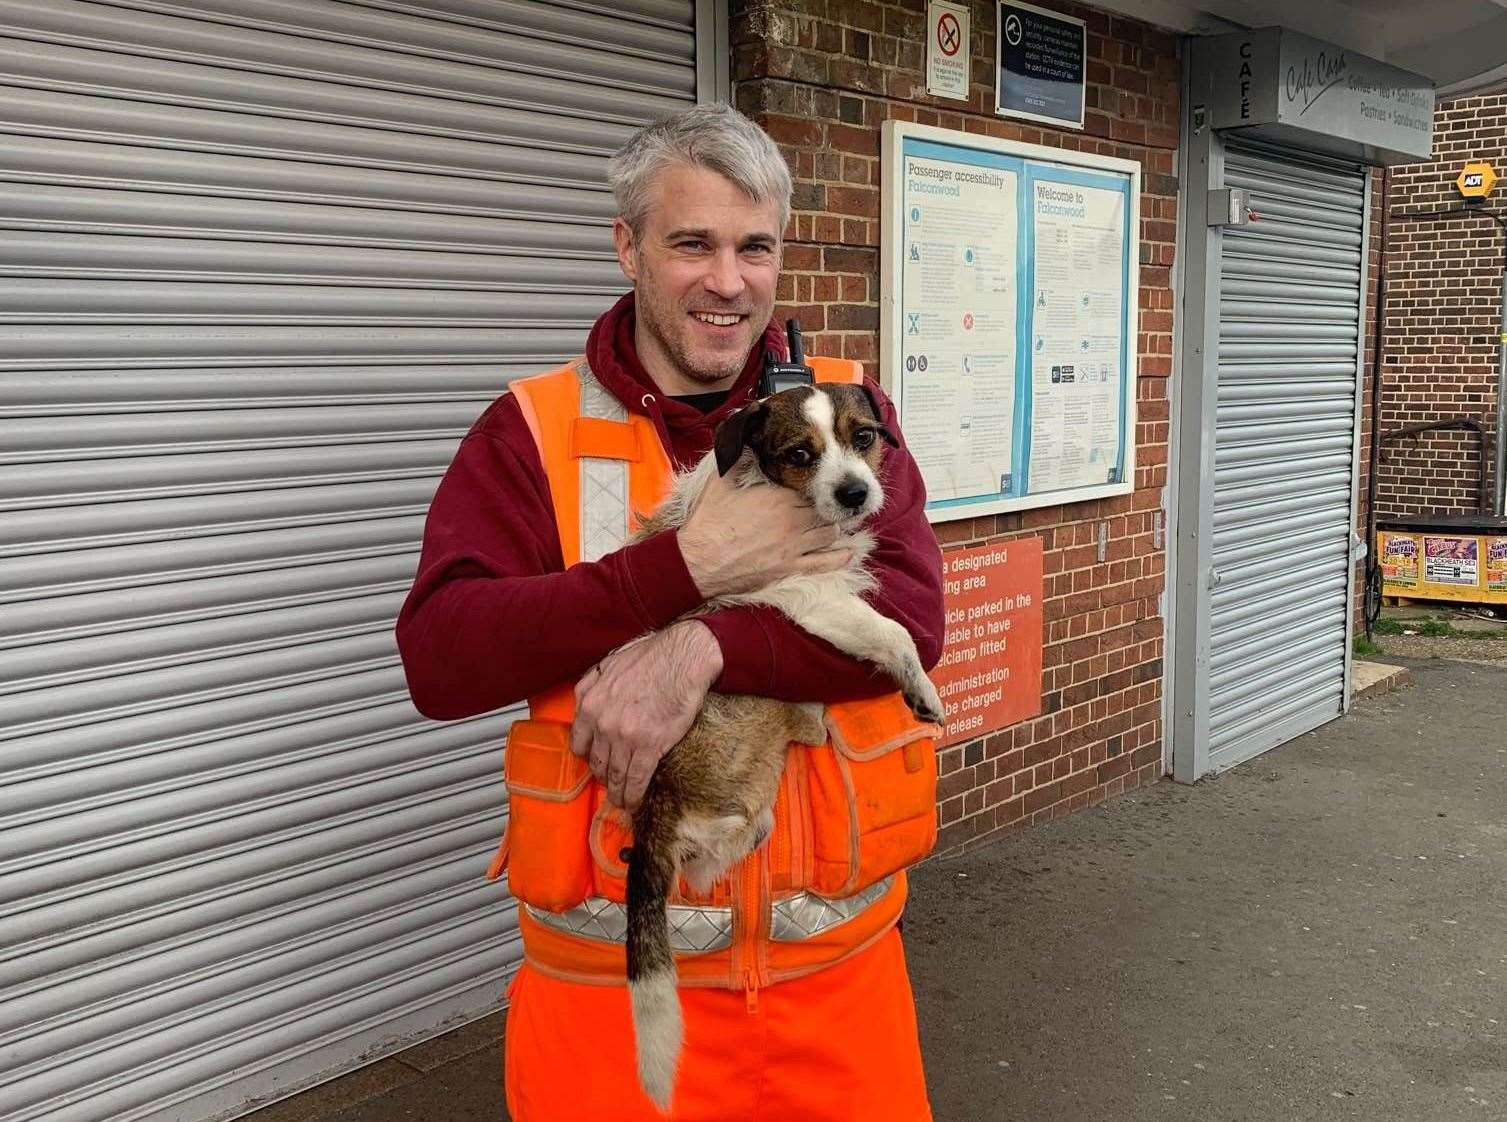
796, 1001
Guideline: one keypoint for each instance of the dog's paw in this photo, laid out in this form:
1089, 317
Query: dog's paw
811, 726
924, 701
701, 875
763, 827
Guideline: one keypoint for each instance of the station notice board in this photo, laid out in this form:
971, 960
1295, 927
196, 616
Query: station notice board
1009, 290
989, 675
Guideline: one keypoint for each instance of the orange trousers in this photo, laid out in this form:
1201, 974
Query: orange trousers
839, 1045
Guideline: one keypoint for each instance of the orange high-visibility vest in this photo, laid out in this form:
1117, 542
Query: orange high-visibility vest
850, 816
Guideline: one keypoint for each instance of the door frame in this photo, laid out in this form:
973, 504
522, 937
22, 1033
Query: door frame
1193, 425
1358, 545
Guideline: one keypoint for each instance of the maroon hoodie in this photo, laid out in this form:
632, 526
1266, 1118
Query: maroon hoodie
494, 616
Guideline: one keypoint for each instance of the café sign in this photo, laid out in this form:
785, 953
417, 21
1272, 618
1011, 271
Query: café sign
1276, 84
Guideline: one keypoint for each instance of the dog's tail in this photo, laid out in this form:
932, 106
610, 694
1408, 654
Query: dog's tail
652, 981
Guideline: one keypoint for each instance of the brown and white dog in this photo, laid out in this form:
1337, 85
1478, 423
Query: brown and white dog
711, 800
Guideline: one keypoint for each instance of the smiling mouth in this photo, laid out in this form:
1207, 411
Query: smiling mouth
718, 319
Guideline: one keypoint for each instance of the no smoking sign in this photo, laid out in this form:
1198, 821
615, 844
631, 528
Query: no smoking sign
947, 62
949, 34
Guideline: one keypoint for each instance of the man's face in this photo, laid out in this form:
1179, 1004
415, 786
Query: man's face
704, 268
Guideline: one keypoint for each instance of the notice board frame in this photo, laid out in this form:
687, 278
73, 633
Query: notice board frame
1033, 160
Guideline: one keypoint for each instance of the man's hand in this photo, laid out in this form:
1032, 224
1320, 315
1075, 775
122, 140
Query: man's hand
738, 539
636, 704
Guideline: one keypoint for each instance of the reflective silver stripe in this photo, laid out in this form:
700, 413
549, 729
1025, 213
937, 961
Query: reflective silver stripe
691, 929
604, 483
696, 929
806, 914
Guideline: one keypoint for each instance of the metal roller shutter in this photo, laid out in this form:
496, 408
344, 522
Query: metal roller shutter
1284, 451
263, 262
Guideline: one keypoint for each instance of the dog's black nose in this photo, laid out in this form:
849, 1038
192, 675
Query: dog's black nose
852, 493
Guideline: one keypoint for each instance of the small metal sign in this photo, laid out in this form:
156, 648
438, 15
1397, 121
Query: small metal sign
1040, 65
948, 59
1476, 179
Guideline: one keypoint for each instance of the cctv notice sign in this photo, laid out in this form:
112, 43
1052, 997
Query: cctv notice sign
1008, 299
1039, 65
990, 672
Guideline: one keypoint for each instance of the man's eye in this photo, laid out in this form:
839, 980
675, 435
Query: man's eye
863, 438
798, 457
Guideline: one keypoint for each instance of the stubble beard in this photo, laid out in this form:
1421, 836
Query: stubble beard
660, 317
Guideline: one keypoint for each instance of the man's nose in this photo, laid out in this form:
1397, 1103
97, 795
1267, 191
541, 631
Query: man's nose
724, 278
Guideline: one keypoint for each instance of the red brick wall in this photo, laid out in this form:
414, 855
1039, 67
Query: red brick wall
1442, 316
822, 76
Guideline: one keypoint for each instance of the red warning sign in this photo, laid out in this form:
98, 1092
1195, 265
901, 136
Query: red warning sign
949, 34
990, 672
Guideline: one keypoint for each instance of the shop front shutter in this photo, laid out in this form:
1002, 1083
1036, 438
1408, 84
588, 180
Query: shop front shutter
1289, 342
262, 263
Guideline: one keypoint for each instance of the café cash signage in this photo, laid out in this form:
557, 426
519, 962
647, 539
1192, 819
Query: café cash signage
1278, 85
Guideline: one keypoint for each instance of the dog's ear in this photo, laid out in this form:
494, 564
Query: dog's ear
889, 437
736, 433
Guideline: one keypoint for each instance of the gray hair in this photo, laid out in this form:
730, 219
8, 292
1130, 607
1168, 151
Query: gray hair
714, 136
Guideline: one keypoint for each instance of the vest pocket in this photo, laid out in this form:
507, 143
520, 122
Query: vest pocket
873, 791
549, 813
611, 834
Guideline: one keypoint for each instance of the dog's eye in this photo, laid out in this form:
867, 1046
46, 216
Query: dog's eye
863, 438
798, 457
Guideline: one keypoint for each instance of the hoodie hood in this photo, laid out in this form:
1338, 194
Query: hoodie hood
687, 431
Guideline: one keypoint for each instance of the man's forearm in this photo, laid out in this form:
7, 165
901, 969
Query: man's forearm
767, 655
474, 643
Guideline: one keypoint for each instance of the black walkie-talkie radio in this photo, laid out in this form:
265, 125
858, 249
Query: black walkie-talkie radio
779, 375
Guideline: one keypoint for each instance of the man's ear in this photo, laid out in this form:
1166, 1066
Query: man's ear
623, 242
889, 437
735, 434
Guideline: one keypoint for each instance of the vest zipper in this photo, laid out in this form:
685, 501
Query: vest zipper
750, 922
758, 934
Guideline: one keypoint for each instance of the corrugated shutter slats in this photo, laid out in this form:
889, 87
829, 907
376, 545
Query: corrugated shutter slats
261, 264
1288, 346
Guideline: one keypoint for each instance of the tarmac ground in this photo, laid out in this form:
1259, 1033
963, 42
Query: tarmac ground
1317, 934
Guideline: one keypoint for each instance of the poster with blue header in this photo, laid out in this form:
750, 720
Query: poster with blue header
1008, 290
